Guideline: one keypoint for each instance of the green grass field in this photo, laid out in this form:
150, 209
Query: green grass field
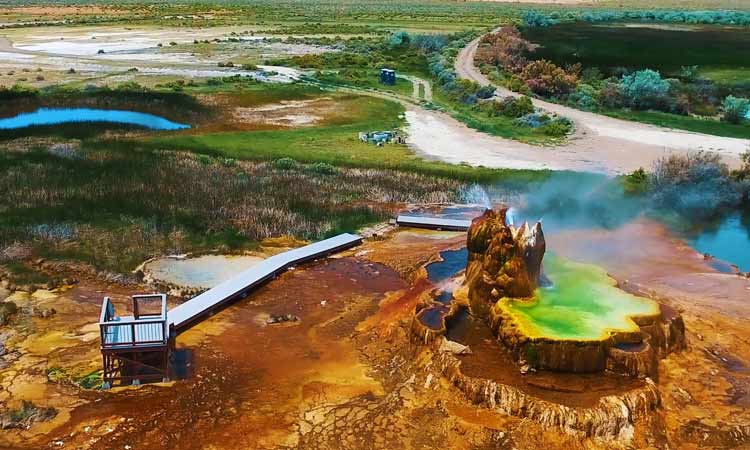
333, 144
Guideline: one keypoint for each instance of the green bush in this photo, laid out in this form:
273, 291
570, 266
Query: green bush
735, 109
322, 168
644, 89
584, 97
513, 107
285, 164
636, 182
556, 128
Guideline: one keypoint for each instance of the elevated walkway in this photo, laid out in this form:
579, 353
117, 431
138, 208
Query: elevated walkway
433, 223
136, 347
184, 315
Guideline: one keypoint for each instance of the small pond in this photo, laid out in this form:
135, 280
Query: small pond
202, 272
442, 272
57, 116
728, 240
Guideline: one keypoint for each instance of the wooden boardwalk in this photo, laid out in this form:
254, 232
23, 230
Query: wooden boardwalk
184, 315
136, 348
433, 223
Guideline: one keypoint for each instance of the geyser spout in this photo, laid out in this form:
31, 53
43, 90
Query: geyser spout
504, 261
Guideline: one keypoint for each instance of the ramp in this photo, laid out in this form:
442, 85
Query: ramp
433, 223
186, 314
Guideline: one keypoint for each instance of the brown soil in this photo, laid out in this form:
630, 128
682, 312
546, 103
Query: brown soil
345, 375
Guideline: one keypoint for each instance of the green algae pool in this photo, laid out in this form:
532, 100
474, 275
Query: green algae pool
582, 304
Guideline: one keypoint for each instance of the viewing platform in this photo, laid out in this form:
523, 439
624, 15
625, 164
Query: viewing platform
136, 348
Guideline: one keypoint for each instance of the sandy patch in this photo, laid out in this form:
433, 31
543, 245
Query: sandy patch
289, 113
202, 272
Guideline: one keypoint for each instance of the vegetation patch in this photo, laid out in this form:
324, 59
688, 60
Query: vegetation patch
116, 207
639, 73
26, 415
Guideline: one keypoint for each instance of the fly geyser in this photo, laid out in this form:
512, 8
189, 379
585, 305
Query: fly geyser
581, 322
504, 261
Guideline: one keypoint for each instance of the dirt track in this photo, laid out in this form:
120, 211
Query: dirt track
600, 143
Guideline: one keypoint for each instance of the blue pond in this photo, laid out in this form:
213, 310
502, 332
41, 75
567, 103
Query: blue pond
438, 272
728, 241
453, 262
56, 116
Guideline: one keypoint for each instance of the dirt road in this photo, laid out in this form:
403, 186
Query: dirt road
600, 143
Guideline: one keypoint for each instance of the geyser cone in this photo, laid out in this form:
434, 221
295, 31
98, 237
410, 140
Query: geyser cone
503, 261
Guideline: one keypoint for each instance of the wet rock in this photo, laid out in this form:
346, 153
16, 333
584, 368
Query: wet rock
613, 417
681, 396
282, 318
7, 310
44, 313
454, 347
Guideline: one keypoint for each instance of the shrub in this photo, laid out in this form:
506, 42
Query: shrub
545, 78
592, 76
322, 168
513, 107
485, 92
516, 84
558, 127
506, 48
696, 184
399, 39
534, 18
584, 97
636, 182
285, 164
689, 73
609, 95
533, 120
736, 109
429, 42
644, 89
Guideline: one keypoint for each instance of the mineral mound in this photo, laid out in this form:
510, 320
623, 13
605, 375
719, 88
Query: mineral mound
505, 265
504, 261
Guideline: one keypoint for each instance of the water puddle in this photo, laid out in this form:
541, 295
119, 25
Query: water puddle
202, 272
433, 316
57, 116
728, 240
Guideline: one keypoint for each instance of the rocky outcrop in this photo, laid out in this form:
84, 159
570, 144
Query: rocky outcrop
504, 261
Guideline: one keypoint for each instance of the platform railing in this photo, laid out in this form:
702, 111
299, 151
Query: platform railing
110, 325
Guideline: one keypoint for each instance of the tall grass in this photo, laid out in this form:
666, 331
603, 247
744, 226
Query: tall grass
116, 207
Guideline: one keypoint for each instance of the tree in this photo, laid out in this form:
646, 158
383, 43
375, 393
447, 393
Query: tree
545, 78
644, 89
400, 39
505, 49
736, 109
